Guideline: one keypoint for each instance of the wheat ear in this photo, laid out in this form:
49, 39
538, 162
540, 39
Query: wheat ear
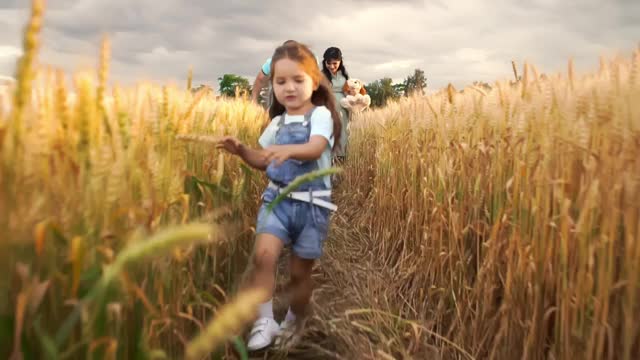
229, 321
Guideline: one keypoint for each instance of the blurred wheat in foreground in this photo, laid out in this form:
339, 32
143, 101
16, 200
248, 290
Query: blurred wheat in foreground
90, 175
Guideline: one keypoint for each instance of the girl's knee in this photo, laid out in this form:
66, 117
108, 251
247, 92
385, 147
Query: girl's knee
266, 252
264, 260
300, 271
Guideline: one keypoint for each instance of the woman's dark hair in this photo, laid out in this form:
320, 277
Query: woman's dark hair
322, 96
333, 53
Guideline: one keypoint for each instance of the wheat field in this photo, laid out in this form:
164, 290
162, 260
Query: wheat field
92, 174
483, 224
511, 222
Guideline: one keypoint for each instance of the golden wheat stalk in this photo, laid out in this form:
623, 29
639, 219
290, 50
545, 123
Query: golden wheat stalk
571, 72
515, 70
451, 93
103, 73
190, 79
165, 104
229, 321
525, 80
207, 139
61, 103
196, 100
25, 72
161, 243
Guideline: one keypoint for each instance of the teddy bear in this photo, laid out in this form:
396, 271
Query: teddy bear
356, 98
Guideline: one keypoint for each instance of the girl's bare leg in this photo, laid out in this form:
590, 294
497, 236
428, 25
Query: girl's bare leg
300, 285
260, 274
262, 266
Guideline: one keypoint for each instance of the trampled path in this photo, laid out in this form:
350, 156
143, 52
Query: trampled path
344, 269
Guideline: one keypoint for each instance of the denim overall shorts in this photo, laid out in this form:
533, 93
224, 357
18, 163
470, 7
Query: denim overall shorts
301, 220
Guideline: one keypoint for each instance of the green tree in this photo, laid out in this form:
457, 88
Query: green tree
383, 90
231, 84
374, 90
389, 90
415, 84
399, 90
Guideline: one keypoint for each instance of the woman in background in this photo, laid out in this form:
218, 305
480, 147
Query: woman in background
335, 71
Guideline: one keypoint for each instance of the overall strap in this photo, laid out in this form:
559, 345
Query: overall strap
281, 121
307, 116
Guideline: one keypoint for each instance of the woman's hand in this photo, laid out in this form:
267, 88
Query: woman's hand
230, 144
277, 153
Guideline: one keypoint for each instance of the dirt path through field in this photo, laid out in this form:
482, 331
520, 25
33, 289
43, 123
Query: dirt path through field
340, 278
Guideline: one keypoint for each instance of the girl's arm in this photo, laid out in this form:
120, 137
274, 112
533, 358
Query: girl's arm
261, 158
311, 150
253, 157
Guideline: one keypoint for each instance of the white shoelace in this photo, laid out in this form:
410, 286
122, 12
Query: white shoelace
259, 327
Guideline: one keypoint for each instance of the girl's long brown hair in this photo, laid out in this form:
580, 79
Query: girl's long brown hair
323, 96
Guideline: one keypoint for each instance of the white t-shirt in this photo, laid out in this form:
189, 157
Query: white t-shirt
321, 124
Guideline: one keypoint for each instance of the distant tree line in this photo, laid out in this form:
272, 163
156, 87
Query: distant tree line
381, 91
384, 90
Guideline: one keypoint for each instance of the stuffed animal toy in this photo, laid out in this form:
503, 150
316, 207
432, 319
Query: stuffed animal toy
356, 98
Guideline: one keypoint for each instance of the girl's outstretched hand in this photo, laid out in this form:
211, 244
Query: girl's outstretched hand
279, 153
230, 144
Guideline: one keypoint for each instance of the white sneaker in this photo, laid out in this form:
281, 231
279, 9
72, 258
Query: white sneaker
262, 334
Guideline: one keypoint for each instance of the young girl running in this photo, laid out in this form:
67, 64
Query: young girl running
304, 128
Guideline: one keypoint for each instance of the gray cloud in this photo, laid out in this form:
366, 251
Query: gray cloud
453, 42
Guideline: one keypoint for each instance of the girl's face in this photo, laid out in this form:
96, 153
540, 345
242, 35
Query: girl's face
292, 86
333, 65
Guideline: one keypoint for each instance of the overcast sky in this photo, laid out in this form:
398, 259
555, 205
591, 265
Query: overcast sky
455, 41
